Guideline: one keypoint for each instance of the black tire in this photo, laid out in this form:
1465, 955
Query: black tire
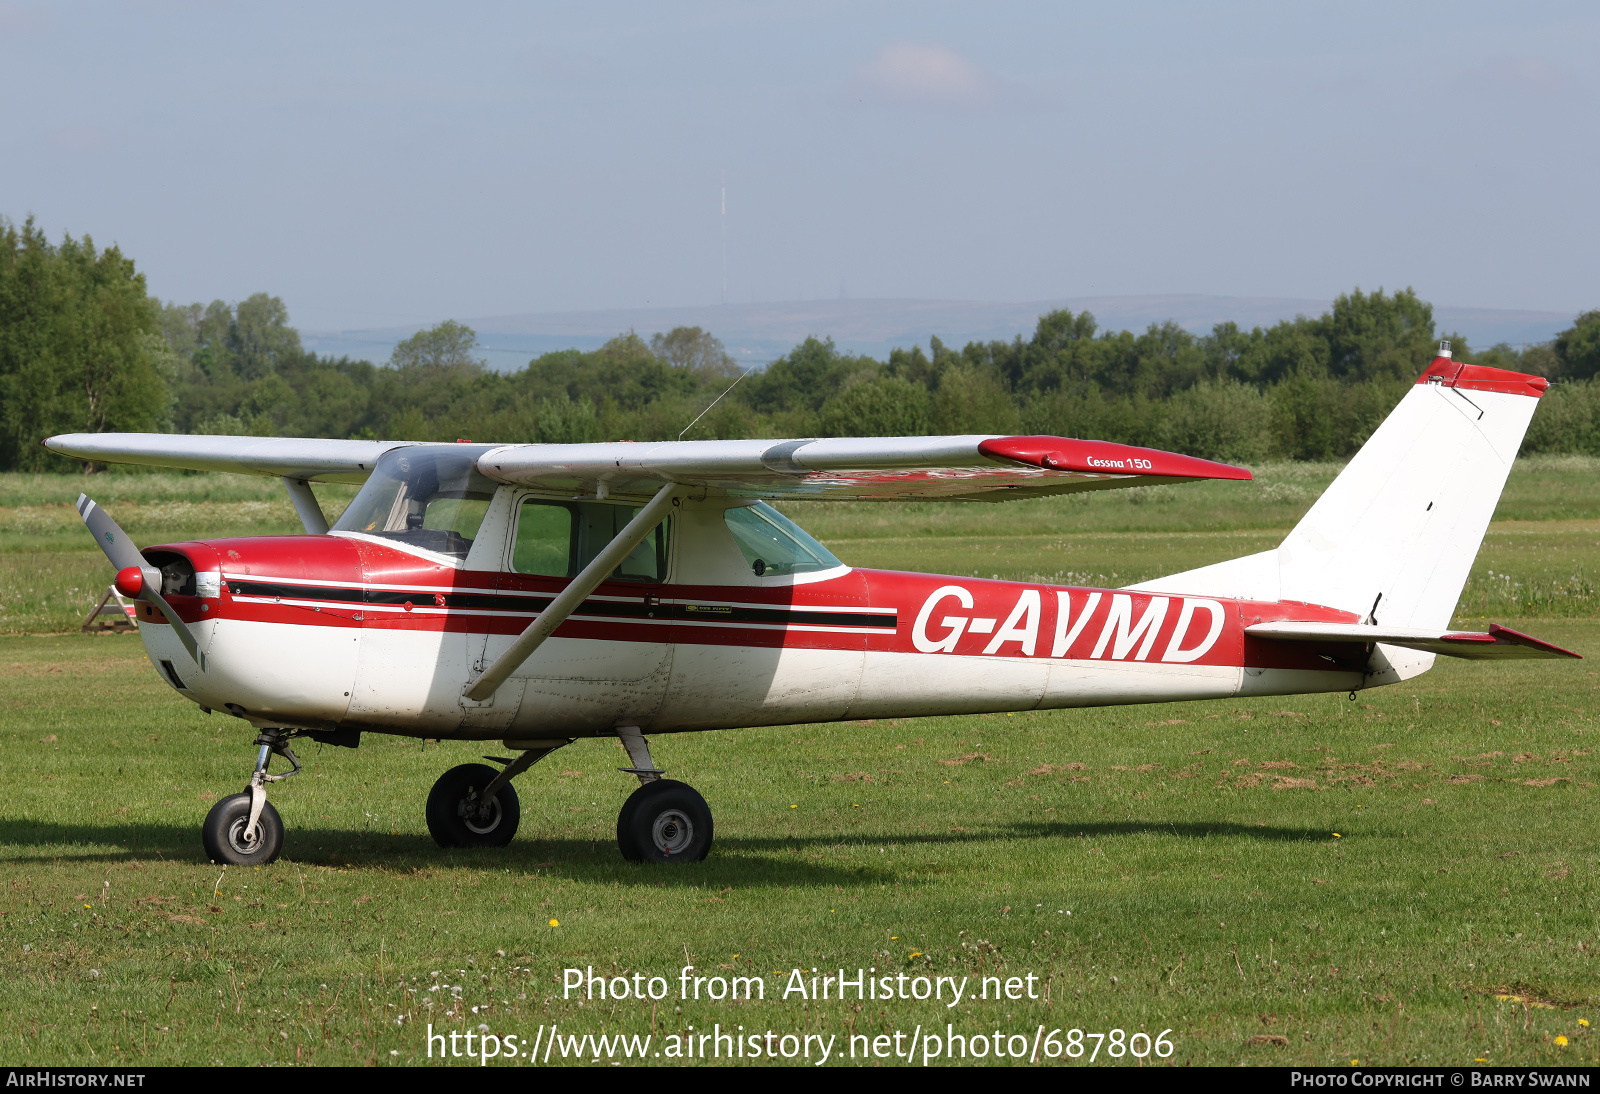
223, 833
664, 821
449, 819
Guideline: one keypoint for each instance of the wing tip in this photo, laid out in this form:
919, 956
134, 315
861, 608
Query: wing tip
1517, 638
1107, 457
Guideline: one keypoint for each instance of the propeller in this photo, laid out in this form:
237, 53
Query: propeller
136, 578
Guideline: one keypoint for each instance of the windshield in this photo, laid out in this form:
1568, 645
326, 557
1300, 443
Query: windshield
427, 496
773, 544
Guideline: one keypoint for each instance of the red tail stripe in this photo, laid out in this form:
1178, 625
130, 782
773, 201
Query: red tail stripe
1452, 373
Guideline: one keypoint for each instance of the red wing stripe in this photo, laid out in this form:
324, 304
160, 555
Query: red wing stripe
1105, 458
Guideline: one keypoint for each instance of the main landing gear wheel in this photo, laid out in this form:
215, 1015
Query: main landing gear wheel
458, 818
664, 821
226, 839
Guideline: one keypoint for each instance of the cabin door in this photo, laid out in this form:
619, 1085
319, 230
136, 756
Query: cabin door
608, 663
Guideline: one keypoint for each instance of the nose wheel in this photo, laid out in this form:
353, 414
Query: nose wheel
228, 837
244, 829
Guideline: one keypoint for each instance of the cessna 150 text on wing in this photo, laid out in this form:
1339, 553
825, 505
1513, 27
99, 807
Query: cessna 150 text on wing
538, 593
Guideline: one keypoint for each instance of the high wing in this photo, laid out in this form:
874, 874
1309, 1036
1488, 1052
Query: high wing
286, 457
967, 468
977, 467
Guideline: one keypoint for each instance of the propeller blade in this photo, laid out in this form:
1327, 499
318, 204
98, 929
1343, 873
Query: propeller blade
112, 539
123, 555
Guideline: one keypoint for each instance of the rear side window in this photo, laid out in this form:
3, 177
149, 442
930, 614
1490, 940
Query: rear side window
558, 539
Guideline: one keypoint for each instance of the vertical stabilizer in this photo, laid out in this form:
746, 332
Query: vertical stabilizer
1394, 536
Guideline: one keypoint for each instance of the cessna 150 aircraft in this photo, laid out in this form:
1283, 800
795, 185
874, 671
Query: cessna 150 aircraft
537, 593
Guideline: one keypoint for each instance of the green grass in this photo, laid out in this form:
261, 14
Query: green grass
1195, 848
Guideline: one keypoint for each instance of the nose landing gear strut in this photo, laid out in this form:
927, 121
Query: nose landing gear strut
244, 829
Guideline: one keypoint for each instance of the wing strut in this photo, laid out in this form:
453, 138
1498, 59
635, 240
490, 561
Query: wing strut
305, 505
577, 590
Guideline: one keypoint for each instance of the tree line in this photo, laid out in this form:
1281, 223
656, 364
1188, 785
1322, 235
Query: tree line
84, 347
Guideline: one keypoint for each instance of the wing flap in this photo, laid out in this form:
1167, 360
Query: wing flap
1496, 644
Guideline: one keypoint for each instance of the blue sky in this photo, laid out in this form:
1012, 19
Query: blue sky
395, 163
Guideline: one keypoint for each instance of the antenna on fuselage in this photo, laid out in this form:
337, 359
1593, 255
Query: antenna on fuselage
718, 399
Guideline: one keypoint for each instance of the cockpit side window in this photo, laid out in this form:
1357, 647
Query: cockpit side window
426, 496
773, 545
558, 539
544, 540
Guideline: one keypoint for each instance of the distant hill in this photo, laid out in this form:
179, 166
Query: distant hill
761, 332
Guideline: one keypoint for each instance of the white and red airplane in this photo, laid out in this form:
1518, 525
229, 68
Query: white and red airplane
538, 593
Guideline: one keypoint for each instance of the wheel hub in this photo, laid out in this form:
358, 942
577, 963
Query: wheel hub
672, 832
480, 818
240, 841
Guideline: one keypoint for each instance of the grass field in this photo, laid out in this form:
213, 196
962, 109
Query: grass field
1411, 877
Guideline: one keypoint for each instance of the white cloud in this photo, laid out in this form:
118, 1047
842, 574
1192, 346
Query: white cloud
927, 75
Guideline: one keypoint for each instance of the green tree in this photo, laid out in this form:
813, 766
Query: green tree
444, 349
1320, 418
1578, 348
564, 421
1568, 420
973, 400
1294, 347
1377, 337
884, 406
1220, 420
261, 338
805, 378
80, 349
214, 339
1059, 356
695, 351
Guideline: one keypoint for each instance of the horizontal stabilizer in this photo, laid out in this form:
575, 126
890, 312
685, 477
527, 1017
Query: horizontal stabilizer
1496, 644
